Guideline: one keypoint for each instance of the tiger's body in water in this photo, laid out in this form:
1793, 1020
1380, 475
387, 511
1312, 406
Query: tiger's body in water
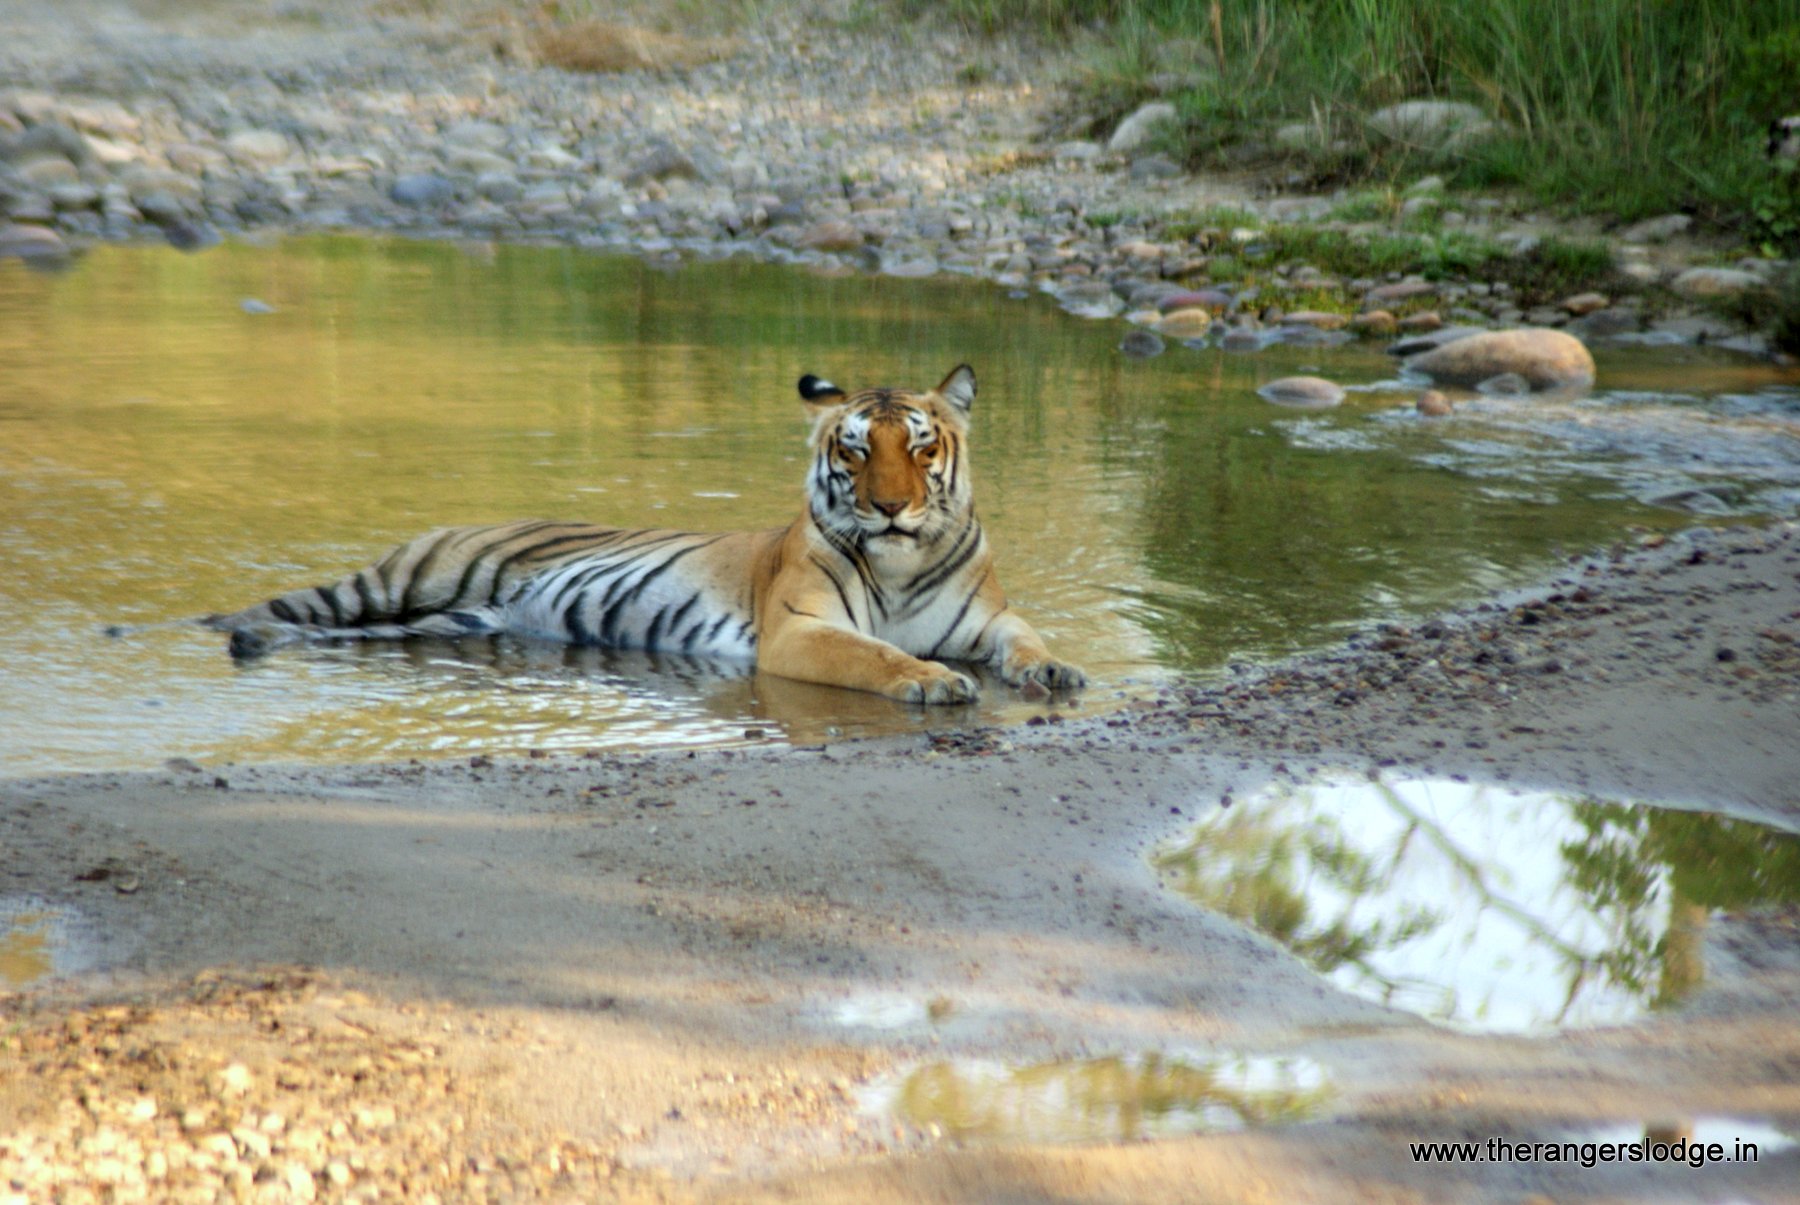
885, 571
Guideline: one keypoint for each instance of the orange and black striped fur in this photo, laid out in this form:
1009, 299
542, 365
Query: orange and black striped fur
886, 571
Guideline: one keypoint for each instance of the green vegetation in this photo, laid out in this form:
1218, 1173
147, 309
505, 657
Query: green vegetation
1619, 107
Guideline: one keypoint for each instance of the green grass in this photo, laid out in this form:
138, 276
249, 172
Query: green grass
1619, 107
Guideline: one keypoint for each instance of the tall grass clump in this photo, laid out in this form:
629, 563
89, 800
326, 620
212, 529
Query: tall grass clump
1624, 107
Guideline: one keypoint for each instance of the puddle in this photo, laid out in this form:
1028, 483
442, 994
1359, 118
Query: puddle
1481, 907
39, 940
1121, 1098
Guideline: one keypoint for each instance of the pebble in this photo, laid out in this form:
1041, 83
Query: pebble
1717, 282
1185, 324
1433, 404
37, 244
422, 189
1303, 392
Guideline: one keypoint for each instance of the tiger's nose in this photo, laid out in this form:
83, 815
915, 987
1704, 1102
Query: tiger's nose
889, 508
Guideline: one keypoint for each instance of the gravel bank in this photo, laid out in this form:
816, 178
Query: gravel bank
859, 147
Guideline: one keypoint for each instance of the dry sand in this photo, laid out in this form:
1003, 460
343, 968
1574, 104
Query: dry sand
686, 976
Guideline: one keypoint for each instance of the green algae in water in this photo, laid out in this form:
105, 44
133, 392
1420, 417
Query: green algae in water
1482, 907
1113, 1099
165, 453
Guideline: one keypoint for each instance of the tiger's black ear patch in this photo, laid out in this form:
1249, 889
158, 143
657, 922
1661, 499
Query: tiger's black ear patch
817, 389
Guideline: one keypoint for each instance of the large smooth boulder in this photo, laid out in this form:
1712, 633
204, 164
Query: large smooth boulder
1139, 128
1547, 359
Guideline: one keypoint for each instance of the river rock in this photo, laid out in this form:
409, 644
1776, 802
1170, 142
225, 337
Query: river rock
1614, 320
1215, 300
37, 244
482, 135
1422, 322
76, 196
499, 186
830, 236
1322, 320
1078, 151
1437, 125
48, 141
1303, 393
1092, 299
195, 160
1717, 282
1374, 323
662, 161
1154, 167
1432, 404
49, 173
475, 160
1141, 127
259, 148
422, 189
1656, 230
1382, 296
1545, 359
1582, 304
1191, 323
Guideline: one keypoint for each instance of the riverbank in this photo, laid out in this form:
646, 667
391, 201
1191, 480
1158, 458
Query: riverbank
865, 146
706, 976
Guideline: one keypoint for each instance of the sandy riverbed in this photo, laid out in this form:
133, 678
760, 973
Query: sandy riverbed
675, 976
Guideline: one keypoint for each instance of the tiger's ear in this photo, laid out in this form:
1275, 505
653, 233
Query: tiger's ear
959, 387
817, 391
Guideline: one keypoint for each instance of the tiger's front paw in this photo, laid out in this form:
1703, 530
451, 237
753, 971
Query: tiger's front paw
932, 683
1047, 673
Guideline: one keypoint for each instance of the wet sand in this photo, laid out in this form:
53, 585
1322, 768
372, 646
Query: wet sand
691, 976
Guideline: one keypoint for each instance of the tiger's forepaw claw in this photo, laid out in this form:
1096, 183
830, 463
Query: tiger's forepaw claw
944, 687
1047, 675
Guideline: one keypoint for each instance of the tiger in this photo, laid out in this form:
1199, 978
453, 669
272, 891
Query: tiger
883, 576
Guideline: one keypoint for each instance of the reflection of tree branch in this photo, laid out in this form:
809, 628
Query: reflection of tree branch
1471, 870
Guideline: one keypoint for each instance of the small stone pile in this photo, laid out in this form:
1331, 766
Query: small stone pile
265, 1086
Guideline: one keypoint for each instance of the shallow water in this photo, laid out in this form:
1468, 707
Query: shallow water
40, 940
165, 452
1483, 907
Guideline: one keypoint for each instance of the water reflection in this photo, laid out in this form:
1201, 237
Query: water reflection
1480, 906
1116, 1099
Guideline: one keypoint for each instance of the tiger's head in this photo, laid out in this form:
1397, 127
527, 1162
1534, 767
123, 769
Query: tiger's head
889, 472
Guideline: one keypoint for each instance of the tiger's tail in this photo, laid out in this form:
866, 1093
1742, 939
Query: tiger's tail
422, 588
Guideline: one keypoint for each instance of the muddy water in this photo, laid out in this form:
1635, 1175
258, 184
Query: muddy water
167, 450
